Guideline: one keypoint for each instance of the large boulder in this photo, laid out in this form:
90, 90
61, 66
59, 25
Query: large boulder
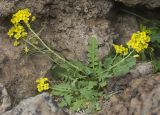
71, 23
67, 25
141, 97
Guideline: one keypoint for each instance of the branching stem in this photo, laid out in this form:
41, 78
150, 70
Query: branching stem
49, 49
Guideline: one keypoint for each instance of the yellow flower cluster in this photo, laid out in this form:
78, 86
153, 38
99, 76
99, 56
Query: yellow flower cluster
18, 31
120, 49
21, 15
42, 84
139, 41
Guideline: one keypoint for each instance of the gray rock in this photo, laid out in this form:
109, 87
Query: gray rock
8, 7
5, 101
41, 104
73, 22
125, 28
142, 69
68, 24
120, 83
141, 97
148, 3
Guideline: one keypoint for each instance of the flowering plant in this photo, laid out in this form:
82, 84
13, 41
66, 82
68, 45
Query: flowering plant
80, 85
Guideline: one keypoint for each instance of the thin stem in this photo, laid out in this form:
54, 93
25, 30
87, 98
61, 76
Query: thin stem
114, 57
58, 56
39, 50
117, 63
121, 60
60, 89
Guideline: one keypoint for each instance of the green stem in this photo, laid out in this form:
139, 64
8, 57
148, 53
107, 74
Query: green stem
60, 89
58, 56
114, 57
122, 60
39, 50
117, 63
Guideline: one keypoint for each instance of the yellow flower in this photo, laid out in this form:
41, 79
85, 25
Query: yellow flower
17, 32
26, 50
136, 56
16, 43
21, 15
42, 84
46, 86
139, 41
33, 18
120, 49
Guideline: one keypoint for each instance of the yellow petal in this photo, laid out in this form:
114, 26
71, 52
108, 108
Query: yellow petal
26, 50
136, 56
16, 43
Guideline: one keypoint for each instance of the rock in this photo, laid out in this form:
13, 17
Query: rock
149, 4
5, 101
20, 75
41, 104
125, 28
72, 23
142, 69
121, 82
141, 97
9, 7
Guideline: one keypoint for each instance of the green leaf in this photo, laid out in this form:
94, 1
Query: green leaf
124, 67
108, 62
155, 34
92, 54
103, 83
83, 67
156, 64
61, 89
62, 104
91, 84
78, 104
68, 99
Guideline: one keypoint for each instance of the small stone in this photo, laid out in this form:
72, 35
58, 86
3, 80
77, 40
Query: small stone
41, 104
5, 101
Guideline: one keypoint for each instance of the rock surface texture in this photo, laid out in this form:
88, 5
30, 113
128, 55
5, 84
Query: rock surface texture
67, 25
19, 71
142, 97
148, 3
125, 25
39, 105
117, 84
5, 101
71, 23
